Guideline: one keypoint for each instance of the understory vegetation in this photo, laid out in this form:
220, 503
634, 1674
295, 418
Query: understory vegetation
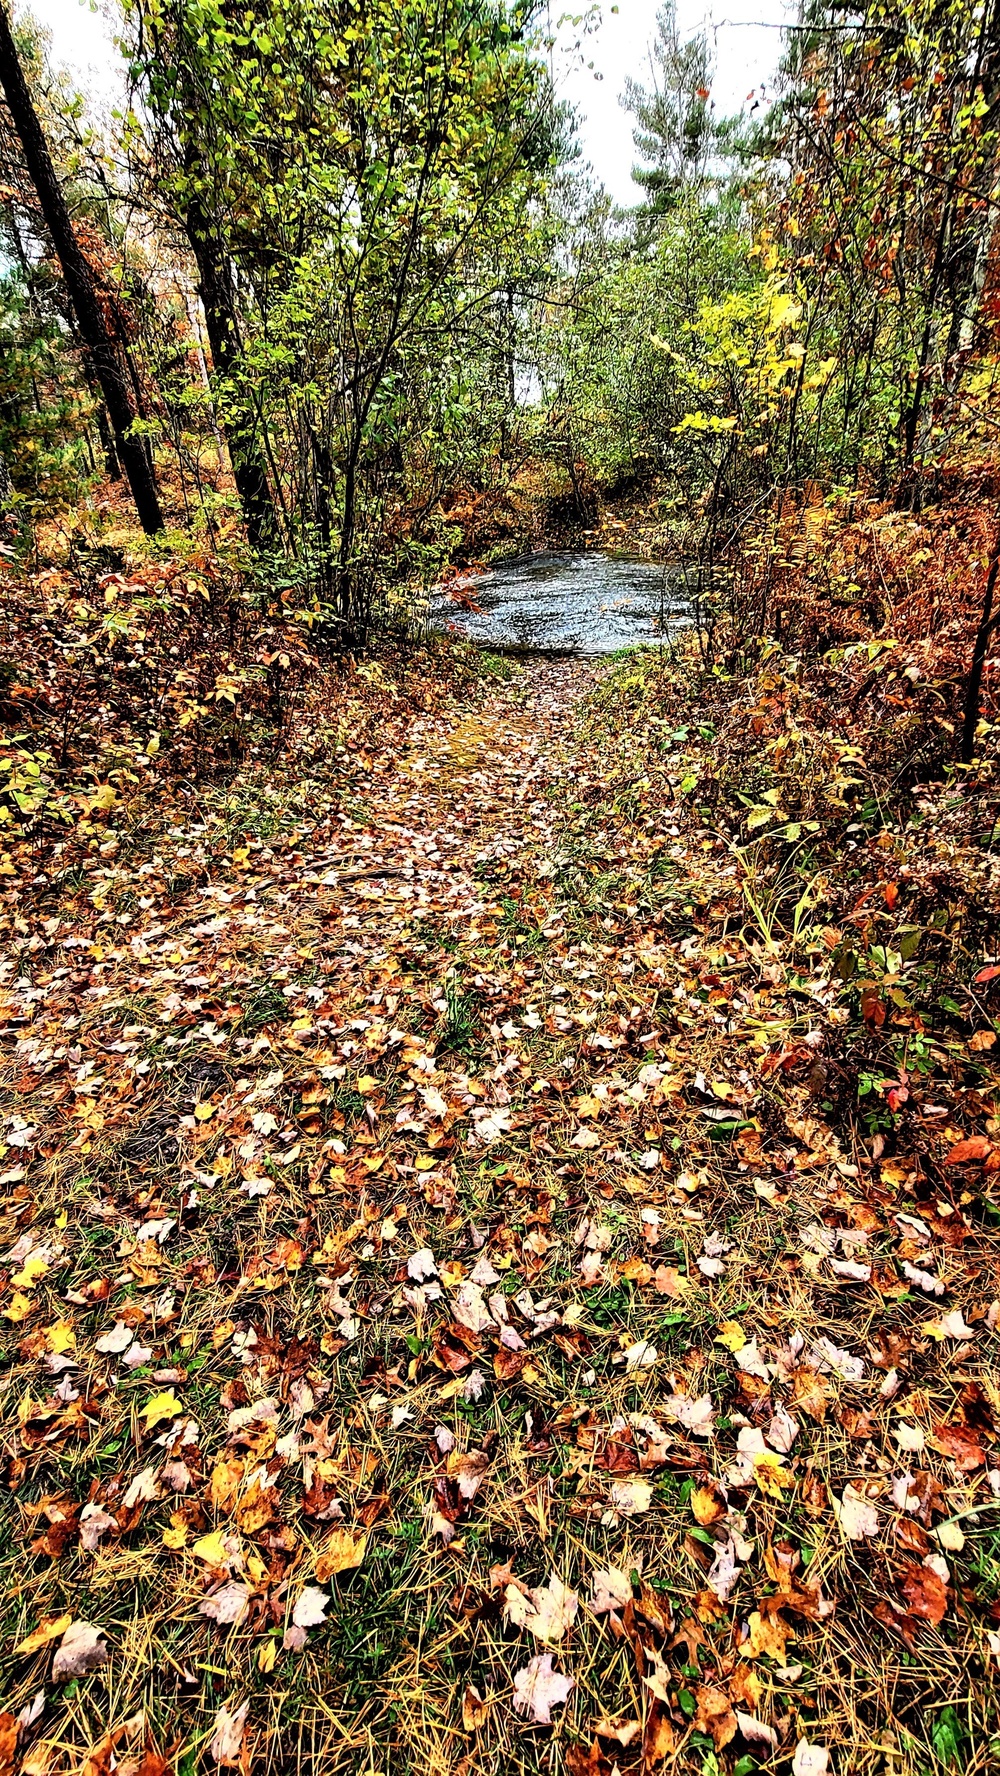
499, 1165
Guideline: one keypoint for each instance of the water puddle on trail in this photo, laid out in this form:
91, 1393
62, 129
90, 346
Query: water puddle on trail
561, 603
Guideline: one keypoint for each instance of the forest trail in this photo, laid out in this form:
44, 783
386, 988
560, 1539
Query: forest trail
426, 1290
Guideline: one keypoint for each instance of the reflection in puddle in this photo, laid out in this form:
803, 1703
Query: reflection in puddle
586, 603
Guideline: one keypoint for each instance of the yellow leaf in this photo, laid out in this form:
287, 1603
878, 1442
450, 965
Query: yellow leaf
367, 1083
768, 1634
176, 1536
204, 1112
21, 1306
33, 1268
211, 1548
425, 1162
61, 1337
342, 1552
769, 1474
732, 1335
160, 1407
40, 1636
267, 1652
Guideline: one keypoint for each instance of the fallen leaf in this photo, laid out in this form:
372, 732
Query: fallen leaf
160, 1407
810, 1760
756, 1732
538, 1689
40, 1636
641, 1355
612, 1590
475, 1709
547, 1612
228, 1605
926, 1593
965, 1152
341, 1553
858, 1519
707, 1504
311, 1607
714, 1715
80, 1650
630, 1497
230, 1726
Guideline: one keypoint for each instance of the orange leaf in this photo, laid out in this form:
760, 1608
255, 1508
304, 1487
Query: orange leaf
975, 1148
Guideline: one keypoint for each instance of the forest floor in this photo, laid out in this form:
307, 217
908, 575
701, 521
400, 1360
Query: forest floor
449, 1329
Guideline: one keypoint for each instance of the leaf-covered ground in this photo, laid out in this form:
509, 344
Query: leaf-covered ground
452, 1323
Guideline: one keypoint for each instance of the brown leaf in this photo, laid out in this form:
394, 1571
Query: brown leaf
768, 1634
8, 1743
475, 1709
811, 1392
227, 1746
714, 1715
659, 1738
926, 1593
960, 1445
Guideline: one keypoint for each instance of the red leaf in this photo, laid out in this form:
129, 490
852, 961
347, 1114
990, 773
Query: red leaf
925, 1593
990, 973
891, 892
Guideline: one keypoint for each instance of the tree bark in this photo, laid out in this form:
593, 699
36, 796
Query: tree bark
215, 289
81, 284
981, 646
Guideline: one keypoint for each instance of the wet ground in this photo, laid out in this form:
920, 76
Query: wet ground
566, 603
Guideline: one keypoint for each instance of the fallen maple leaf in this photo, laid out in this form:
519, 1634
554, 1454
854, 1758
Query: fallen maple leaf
641, 1355
697, 1416
421, 1266
630, 1497
538, 1689
547, 1612
470, 1309
311, 1607
80, 1650
714, 1715
475, 1708
950, 1325
926, 1593
707, 1505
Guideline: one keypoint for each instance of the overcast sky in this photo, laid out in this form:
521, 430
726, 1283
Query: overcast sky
744, 33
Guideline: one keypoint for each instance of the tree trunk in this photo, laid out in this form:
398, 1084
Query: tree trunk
215, 289
984, 634
80, 282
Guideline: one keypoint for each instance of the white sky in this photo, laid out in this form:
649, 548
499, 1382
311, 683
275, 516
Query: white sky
746, 43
